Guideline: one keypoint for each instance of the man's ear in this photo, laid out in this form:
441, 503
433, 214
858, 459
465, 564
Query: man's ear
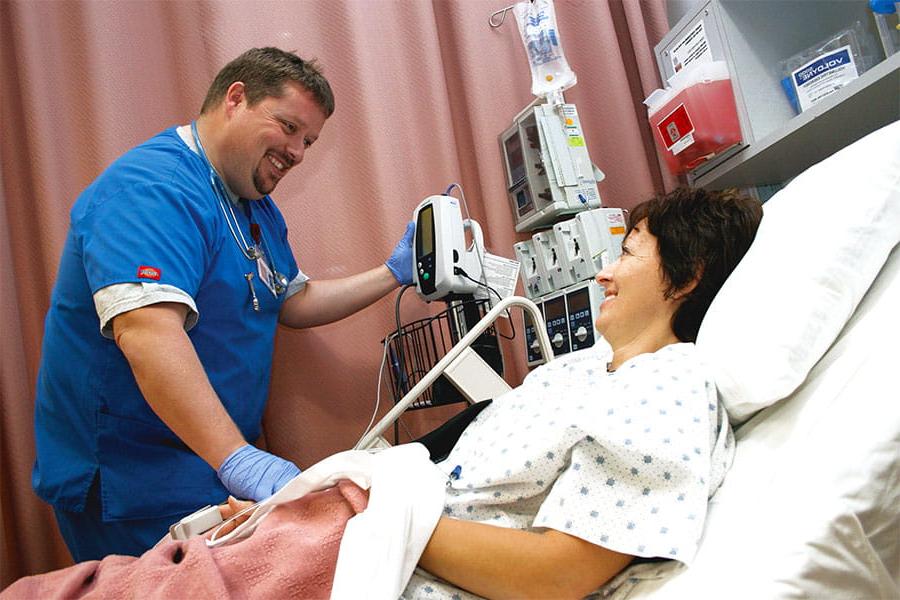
235, 96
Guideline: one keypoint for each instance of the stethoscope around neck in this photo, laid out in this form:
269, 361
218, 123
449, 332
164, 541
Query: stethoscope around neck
253, 252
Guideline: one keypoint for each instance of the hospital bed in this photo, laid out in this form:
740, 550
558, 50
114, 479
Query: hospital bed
802, 339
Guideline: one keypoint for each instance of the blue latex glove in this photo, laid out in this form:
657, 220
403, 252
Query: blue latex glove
251, 474
400, 261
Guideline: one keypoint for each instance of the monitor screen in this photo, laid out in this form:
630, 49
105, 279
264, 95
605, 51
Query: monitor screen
555, 311
579, 304
425, 231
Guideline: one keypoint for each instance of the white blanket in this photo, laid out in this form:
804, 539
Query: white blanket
382, 545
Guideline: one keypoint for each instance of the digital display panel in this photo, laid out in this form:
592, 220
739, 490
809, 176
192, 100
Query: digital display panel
425, 231
555, 312
579, 304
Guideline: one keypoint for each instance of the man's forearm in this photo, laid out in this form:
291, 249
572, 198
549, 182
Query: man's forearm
173, 382
330, 300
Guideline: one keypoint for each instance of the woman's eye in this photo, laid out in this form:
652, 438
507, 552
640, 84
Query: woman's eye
307, 142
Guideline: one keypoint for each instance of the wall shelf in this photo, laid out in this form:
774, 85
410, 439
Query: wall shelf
753, 37
861, 107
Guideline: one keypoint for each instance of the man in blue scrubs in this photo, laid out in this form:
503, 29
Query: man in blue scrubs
158, 343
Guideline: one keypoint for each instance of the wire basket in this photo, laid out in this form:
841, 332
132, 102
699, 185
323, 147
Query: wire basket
419, 345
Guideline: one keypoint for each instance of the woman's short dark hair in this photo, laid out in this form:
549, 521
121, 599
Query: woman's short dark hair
264, 71
702, 235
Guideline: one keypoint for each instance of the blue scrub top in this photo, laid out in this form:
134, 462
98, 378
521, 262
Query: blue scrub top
154, 207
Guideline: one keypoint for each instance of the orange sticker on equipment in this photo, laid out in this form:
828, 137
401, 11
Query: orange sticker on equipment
617, 230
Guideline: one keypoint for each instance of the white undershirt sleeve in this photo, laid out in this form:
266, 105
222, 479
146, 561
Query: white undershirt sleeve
297, 283
118, 298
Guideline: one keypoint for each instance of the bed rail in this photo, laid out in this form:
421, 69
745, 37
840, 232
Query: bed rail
370, 439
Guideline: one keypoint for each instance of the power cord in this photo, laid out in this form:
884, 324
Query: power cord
397, 321
399, 365
377, 394
401, 356
478, 251
460, 271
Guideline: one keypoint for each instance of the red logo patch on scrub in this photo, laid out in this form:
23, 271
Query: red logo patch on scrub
145, 272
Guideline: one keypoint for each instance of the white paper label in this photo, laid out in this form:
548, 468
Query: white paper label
682, 144
501, 274
823, 76
693, 47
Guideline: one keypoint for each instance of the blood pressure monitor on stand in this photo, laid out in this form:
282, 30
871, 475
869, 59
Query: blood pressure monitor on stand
444, 268
448, 269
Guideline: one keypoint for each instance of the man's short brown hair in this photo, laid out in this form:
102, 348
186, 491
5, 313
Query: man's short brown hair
264, 72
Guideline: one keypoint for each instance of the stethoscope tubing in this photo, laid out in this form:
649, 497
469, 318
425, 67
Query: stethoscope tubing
251, 253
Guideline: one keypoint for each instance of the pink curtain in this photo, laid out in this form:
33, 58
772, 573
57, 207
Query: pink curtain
423, 89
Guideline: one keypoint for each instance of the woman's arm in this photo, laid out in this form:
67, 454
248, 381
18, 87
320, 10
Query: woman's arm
498, 562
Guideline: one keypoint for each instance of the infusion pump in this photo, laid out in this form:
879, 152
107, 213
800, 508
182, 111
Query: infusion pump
548, 170
569, 316
572, 251
558, 267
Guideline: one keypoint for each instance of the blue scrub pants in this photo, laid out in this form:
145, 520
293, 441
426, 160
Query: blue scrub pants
88, 537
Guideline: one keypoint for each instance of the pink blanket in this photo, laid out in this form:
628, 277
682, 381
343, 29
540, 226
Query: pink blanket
292, 554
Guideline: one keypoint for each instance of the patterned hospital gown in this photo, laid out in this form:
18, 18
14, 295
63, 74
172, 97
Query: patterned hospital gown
625, 460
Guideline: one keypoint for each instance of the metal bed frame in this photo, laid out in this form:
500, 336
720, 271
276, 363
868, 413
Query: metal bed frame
464, 368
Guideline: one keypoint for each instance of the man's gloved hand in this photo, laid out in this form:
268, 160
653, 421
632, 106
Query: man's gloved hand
252, 474
400, 261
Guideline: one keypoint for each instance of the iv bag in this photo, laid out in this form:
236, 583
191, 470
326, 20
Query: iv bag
537, 25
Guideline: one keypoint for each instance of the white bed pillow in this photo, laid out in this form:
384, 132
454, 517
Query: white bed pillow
811, 506
822, 240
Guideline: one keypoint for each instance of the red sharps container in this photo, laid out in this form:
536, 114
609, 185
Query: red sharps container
695, 117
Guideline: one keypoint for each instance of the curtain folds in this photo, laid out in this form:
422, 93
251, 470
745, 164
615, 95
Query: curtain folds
423, 89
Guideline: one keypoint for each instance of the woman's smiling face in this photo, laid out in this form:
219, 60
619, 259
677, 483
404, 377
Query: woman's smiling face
635, 290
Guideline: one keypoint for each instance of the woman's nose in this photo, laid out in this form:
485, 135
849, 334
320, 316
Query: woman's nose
604, 275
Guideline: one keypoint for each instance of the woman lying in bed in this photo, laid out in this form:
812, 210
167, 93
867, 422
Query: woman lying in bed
599, 457
605, 454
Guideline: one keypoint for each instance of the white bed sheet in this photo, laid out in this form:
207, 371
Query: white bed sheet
811, 507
